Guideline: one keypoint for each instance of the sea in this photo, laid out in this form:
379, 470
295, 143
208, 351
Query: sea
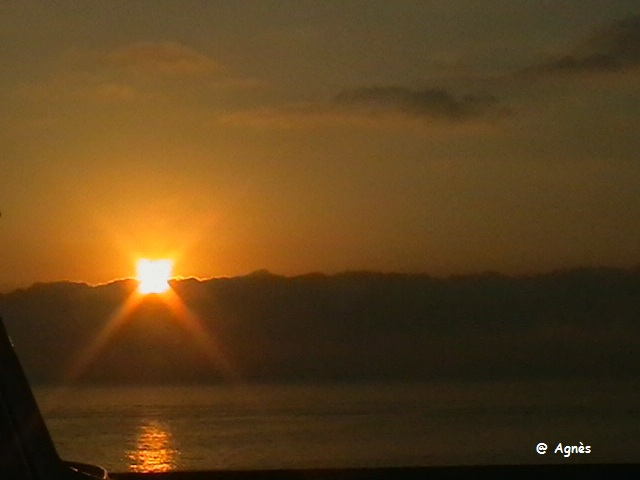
255, 426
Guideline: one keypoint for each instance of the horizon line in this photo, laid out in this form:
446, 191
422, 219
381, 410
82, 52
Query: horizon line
267, 273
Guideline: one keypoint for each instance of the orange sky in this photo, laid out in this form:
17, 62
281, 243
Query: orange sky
441, 137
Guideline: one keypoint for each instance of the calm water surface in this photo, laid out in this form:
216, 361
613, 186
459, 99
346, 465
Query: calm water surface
261, 427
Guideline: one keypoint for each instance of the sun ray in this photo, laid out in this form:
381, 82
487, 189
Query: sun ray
86, 356
206, 343
191, 323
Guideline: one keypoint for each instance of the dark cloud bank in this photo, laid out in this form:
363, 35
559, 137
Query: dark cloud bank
345, 327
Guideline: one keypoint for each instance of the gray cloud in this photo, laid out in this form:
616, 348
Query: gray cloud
434, 103
615, 48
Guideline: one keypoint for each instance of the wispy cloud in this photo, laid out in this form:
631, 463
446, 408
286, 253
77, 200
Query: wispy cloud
424, 111
96, 77
164, 58
77, 87
611, 49
321, 116
431, 103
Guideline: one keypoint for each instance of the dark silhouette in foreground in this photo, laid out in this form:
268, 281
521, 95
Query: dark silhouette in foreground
26, 449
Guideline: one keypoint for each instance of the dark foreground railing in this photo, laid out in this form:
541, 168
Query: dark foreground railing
516, 472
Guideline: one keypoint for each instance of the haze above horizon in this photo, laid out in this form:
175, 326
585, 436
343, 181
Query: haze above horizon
438, 137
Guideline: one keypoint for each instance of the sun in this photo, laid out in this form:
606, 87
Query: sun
153, 275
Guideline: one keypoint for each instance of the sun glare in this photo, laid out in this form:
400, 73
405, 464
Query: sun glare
153, 275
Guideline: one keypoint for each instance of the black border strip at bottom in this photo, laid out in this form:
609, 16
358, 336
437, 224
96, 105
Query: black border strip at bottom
520, 472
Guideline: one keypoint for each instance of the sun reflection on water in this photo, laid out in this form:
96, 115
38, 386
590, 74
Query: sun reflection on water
154, 451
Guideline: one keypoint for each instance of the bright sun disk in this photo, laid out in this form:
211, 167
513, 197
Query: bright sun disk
153, 275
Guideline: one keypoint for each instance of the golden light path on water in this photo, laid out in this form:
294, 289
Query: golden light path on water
154, 450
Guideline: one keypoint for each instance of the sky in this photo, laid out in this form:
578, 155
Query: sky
446, 137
